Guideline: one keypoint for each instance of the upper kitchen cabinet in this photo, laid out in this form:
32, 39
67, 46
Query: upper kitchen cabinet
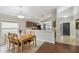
31, 25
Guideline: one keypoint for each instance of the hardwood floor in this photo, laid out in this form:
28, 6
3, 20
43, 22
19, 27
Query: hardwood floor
57, 48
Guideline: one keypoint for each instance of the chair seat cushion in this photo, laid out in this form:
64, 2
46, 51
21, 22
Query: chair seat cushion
25, 42
18, 43
30, 40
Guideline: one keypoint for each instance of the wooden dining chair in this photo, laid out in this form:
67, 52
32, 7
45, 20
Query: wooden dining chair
16, 42
32, 39
10, 39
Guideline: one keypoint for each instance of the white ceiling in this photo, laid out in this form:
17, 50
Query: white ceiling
31, 12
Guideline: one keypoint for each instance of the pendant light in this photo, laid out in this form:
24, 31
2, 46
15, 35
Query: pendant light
20, 13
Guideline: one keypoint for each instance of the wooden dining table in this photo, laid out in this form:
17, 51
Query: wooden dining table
23, 38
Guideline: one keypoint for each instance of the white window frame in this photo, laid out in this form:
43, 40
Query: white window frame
9, 28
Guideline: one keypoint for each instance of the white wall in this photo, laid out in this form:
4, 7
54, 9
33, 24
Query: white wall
47, 36
61, 19
72, 14
76, 16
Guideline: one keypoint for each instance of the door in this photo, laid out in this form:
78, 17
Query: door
66, 28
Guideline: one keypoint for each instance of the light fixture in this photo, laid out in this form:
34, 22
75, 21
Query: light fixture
21, 16
65, 16
20, 13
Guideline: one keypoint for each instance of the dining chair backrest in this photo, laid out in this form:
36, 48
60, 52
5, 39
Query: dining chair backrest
15, 37
10, 35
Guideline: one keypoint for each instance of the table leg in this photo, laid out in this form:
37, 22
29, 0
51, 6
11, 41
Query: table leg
35, 41
21, 46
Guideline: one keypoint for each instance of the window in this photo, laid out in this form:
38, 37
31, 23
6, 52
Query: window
9, 27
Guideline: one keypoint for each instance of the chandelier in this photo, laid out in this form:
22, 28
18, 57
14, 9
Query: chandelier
20, 13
